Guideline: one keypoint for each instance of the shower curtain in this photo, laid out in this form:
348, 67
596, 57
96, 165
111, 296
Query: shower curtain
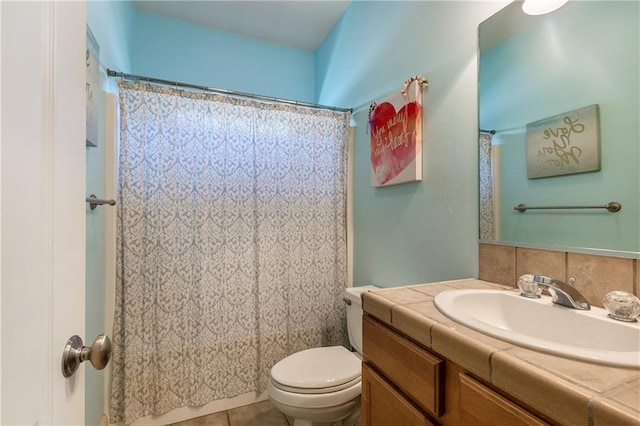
489, 171
231, 244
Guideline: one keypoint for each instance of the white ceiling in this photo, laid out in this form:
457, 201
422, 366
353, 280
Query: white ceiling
302, 23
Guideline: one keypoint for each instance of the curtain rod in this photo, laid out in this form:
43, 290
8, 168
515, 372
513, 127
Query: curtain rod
125, 76
489, 132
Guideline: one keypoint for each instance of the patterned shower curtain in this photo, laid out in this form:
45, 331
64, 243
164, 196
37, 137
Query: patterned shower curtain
489, 194
231, 244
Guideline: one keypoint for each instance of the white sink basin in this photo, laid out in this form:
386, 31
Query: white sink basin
539, 324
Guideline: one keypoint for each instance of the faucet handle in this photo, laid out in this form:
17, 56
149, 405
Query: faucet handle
529, 287
622, 306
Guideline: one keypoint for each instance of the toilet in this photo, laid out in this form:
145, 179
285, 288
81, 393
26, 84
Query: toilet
321, 386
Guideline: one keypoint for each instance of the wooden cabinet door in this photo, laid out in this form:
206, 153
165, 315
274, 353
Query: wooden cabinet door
383, 405
480, 406
416, 372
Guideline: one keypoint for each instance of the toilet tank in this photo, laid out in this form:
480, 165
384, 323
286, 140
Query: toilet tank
354, 314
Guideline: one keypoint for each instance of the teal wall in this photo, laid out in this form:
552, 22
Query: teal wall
410, 233
424, 231
556, 66
180, 51
111, 23
406, 234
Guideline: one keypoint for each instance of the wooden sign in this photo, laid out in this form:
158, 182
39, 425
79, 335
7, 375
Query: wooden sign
564, 144
396, 136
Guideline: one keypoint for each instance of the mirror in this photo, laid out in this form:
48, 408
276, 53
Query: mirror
533, 68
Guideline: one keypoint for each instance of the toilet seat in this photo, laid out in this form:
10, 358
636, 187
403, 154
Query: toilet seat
316, 391
314, 400
317, 370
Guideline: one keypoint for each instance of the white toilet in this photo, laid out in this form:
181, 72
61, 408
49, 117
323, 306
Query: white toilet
321, 386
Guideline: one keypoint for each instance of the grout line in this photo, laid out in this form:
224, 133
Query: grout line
592, 402
490, 359
601, 396
516, 252
431, 335
635, 276
625, 385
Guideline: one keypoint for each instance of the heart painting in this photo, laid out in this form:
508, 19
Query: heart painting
396, 139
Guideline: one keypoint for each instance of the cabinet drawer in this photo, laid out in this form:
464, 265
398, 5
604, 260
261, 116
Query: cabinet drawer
480, 405
412, 369
382, 405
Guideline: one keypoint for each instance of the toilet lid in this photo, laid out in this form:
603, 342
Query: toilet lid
318, 368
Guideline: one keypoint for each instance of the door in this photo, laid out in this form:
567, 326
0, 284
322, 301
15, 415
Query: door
42, 209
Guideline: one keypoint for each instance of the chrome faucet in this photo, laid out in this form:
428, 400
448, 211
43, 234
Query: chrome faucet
562, 293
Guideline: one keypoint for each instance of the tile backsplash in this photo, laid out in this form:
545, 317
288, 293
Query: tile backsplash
498, 264
595, 275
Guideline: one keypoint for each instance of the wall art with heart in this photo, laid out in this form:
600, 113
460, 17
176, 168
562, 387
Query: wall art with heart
395, 125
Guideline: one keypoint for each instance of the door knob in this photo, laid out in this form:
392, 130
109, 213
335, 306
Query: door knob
75, 353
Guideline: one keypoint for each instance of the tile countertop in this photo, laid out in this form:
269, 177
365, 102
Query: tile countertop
568, 391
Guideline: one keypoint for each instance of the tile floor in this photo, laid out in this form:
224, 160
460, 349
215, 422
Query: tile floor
258, 414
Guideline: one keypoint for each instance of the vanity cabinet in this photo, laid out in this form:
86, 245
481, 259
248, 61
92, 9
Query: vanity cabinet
405, 384
414, 371
384, 404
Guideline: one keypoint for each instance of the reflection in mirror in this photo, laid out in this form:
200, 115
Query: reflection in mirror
535, 67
